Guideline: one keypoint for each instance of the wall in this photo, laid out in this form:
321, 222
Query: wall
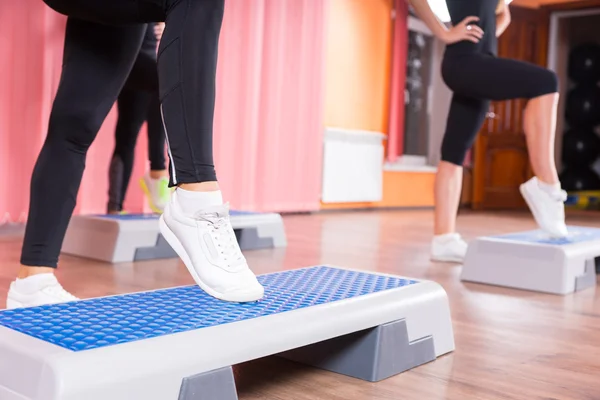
278, 99
582, 30
570, 32
357, 89
404, 189
270, 77
268, 155
358, 64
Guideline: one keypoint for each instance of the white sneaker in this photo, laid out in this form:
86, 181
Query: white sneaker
449, 248
548, 209
209, 249
157, 191
37, 290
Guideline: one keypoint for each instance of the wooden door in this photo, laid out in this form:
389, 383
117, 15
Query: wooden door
500, 158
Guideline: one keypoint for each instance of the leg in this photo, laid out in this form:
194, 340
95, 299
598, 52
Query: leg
539, 122
488, 77
105, 53
155, 183
187, 72
156, 130
196, 222
465, 118
447, 190
543, 193
139, 92
132, 105
156, 140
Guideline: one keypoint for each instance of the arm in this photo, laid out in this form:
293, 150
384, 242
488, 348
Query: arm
426, 14
159, 28
502, 18
462, 31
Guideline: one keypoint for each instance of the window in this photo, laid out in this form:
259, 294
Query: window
418, 83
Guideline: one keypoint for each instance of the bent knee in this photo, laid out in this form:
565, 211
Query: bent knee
454, 156
550, 81
76, 127
455, 150
545, 83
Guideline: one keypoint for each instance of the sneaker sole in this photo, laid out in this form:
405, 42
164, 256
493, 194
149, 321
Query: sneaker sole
146, 191
448, 259
180, 250
535, 212
10, 304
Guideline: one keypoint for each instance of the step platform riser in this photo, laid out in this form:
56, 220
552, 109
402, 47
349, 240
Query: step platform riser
129, 238
170, 344
532, 261
372, 355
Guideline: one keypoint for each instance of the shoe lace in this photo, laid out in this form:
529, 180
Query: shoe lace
58, 291
220, 227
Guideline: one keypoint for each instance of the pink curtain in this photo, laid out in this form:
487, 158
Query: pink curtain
268, 125
268, 121
395, 144
32, 43
28, 80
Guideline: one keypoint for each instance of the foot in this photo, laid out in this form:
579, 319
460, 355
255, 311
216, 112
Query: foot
37, 290
448, 248
115, 212
157, 191
547, 207
209, 249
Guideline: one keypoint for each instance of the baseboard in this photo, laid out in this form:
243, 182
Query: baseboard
374, 209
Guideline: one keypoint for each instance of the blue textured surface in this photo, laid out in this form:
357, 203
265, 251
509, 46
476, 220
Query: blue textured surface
129, 217
577, 234
235, 213
101, 322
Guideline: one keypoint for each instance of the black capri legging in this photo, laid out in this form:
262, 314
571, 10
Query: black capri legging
476, 79
102, 41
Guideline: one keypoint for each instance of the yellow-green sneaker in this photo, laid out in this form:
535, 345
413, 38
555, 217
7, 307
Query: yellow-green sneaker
157, 191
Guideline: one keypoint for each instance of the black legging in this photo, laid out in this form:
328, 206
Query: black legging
478, 78
99, 54
137, 102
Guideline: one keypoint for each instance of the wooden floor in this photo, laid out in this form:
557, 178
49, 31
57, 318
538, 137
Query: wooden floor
510, 344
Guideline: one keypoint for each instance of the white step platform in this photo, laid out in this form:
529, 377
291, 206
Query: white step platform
136, 237
533, 261
169, 344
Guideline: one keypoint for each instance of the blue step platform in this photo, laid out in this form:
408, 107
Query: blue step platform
167, 344
94, 323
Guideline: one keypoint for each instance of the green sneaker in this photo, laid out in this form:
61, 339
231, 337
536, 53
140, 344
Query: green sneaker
157, 191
